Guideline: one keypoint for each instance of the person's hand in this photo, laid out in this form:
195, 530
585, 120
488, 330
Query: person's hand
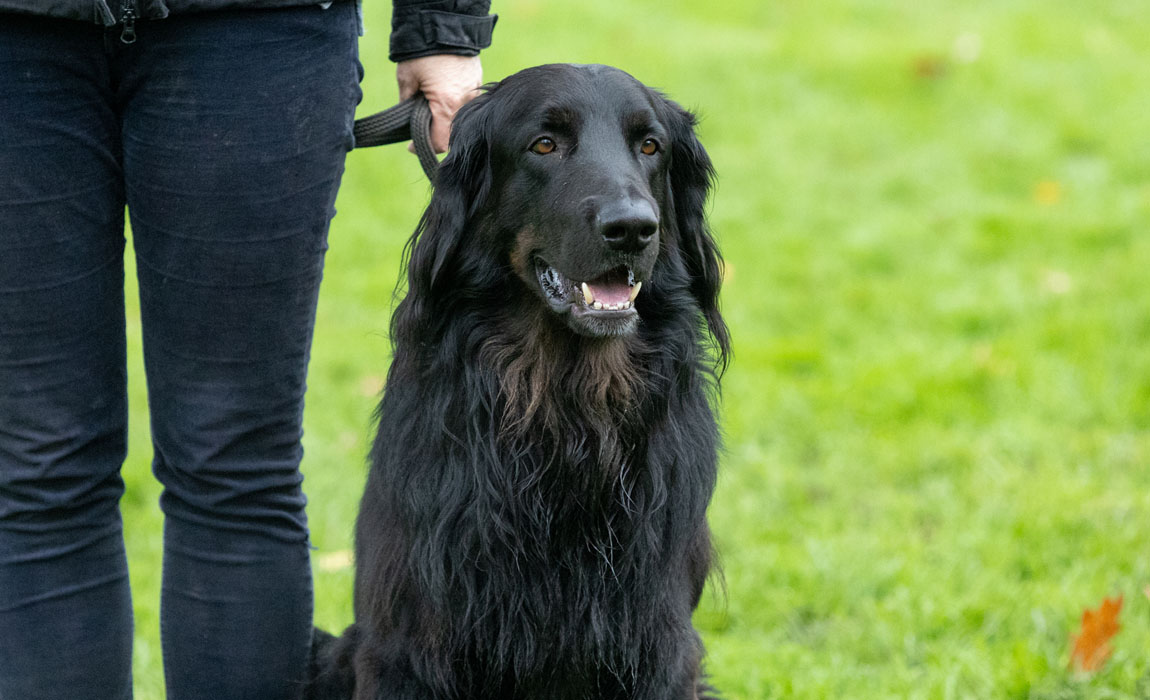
447, 81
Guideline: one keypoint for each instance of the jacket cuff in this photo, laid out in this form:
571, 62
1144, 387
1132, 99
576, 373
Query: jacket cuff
428, 32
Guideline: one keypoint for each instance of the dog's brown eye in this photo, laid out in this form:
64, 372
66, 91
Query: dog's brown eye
649, 147
543, 146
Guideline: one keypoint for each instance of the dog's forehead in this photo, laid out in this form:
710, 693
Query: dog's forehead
591, 91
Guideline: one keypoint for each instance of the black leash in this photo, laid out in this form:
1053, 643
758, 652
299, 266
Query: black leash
409, 120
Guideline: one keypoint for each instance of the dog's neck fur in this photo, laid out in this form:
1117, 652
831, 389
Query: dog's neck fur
539, 360
570, 411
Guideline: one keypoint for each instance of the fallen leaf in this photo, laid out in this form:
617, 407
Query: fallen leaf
986, 359
1092, 645
335, 561
930, 66
1048, 192
371, 386
1057, 282
346, 440
967, 47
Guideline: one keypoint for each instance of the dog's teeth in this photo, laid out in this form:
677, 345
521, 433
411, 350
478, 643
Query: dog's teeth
635, 291
587, 295
597, 305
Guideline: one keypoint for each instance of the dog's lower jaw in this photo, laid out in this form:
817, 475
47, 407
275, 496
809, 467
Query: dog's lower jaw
614, 324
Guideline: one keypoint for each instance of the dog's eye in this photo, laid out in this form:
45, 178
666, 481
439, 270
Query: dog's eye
649, 147
543, 146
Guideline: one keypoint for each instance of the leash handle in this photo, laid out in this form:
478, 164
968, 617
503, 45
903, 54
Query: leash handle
409, 120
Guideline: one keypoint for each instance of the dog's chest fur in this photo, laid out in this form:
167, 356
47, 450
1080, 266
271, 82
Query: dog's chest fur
577, 568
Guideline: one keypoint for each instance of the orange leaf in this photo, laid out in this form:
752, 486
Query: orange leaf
1092, 645
930, 66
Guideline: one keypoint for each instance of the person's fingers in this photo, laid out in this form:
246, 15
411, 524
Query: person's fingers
443, 110
448, 82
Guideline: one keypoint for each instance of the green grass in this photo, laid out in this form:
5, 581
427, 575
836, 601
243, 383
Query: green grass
938, 417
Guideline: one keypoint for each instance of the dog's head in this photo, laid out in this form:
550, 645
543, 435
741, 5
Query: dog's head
589, 187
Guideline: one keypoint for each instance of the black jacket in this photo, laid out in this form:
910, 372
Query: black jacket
418, 27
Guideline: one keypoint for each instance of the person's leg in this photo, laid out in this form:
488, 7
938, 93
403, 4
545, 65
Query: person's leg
65, 608
236, 127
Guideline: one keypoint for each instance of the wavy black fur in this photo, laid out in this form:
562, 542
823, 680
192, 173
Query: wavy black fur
533, 526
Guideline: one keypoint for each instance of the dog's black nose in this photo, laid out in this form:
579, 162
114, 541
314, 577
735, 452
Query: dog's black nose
628, 226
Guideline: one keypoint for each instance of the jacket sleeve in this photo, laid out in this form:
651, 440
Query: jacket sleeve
426, 27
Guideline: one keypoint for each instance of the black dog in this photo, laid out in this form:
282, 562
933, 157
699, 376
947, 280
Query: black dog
534, 521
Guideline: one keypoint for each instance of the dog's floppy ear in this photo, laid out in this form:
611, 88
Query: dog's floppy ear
435, 253
691, 177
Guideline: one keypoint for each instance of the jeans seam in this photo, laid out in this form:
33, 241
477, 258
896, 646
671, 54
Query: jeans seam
40, 288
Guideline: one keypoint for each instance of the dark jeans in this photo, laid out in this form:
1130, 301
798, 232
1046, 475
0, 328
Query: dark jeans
225, 135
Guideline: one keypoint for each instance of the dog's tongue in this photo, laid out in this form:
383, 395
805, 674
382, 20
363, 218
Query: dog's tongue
611, 288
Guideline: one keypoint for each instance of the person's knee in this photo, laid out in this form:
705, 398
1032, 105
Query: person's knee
239, 472
60, 478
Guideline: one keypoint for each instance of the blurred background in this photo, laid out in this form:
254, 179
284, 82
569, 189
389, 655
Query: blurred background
937, 420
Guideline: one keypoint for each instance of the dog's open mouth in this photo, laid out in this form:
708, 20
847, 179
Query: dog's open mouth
610, 295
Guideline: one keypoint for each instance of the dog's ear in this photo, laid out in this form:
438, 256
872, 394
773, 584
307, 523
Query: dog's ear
690, 180
435, 254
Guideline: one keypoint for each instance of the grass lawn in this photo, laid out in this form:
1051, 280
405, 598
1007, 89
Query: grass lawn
938, 415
